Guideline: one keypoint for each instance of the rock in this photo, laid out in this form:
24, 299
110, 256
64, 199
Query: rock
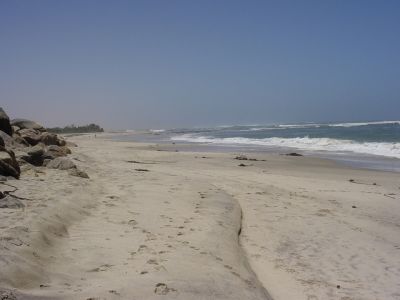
7, 139
3, 178
54, 151
49, 139
241, 157
5, 125
61, 163
61, 142
2, 142
27, 124
9, 201
15, 129
46, 162
32, 136
36, 151
78, 173
8, 163
20, 140
294, 154
35, 155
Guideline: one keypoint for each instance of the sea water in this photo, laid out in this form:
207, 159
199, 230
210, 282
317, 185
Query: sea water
365, 144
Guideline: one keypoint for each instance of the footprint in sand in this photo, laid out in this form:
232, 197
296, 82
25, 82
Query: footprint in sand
228, 267
142, 248
133, 223
152, 262
163, 289
102, 268
114, 292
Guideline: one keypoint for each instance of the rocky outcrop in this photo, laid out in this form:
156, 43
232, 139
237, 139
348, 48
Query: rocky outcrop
40, 154
33, 146
27, 124
5, 125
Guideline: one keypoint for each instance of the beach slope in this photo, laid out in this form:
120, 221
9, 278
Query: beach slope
152, 222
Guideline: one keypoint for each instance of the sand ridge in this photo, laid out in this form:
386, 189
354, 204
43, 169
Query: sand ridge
133, 233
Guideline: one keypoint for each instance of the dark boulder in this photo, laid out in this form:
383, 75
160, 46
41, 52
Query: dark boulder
294, 154
35, 155
27, 124
5, 122
8, 163
7, 139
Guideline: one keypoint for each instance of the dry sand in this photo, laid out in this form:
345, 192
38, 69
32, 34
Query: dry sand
154, 224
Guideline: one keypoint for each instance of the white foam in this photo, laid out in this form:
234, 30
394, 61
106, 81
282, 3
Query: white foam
316, 125
157, 130
304, 143
299, 125
261, 128
364, 123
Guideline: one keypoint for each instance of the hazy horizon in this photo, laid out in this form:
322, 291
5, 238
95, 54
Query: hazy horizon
166, 64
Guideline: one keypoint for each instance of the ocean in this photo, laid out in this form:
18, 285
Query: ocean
365, 144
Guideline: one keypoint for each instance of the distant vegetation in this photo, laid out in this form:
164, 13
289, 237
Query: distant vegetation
77, 129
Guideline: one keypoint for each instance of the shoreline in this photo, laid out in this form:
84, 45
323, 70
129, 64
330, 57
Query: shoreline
175, 224
354, 160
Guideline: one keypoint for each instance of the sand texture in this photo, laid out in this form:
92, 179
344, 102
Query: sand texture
153, 223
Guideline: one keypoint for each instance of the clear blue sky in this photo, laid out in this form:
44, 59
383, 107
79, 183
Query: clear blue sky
161, 64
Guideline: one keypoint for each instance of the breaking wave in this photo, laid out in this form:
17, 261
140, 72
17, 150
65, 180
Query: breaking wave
303, 143
364, 124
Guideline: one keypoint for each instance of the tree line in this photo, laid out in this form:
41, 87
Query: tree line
76, 129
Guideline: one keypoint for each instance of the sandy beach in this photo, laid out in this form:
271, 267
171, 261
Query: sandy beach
154, 223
